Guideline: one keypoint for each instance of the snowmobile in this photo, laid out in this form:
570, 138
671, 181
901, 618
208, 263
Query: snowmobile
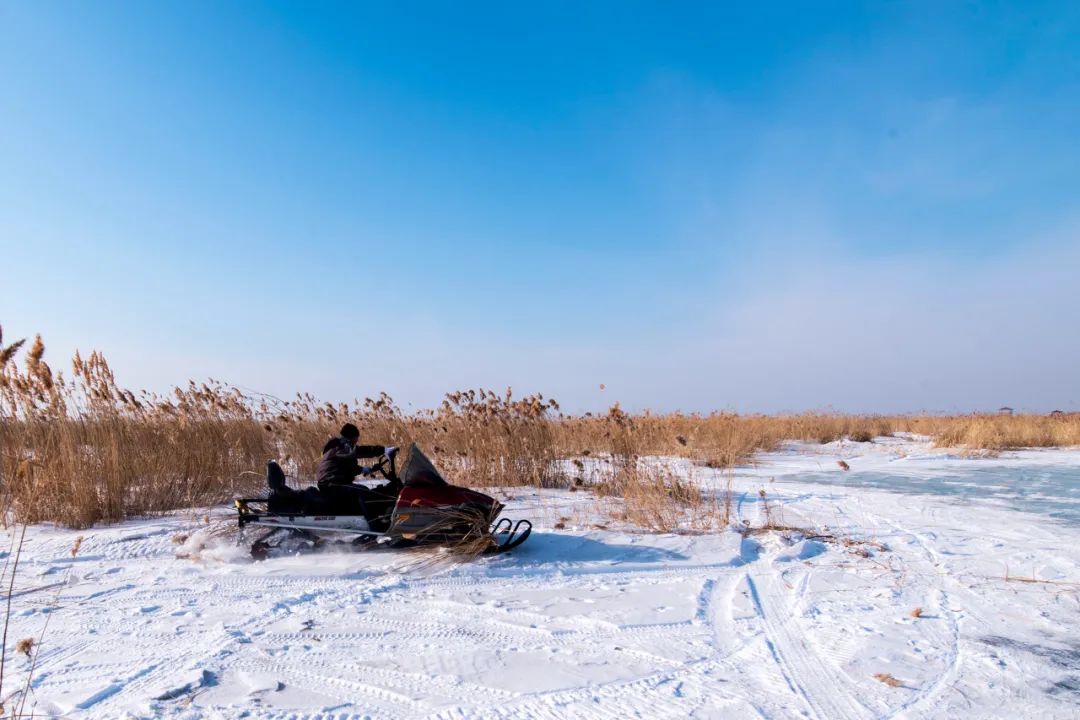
416, 508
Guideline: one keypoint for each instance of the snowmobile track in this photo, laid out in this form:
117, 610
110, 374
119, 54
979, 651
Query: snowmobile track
927, 698
827, 692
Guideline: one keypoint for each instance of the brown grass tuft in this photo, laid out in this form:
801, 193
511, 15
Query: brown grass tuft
887, 679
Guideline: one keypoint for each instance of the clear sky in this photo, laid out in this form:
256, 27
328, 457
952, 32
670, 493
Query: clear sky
753, 206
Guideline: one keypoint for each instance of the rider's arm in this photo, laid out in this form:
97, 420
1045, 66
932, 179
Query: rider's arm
369, 451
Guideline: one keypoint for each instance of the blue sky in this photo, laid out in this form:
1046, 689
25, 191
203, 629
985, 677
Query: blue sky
867, 207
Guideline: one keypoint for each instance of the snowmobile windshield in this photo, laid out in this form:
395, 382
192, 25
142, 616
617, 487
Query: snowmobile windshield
418, 471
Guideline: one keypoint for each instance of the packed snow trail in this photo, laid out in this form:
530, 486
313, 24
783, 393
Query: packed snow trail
587, 622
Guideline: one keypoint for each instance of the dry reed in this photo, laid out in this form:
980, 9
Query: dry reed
80, 448
887, 679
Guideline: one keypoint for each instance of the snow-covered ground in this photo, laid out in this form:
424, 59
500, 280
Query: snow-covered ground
600, 622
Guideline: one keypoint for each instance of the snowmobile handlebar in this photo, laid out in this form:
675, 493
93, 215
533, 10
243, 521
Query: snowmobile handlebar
388, 472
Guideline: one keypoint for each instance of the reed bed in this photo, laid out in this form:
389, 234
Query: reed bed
78, 448
1001, 432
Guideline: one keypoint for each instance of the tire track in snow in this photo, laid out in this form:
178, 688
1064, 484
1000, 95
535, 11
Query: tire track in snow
383, 684
930, 696
356, 692
482, 631
769, 590
656, 574
657, 695
478, 633
159, 660
828, 695
715, 610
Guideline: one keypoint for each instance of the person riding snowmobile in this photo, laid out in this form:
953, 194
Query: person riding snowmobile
338, 468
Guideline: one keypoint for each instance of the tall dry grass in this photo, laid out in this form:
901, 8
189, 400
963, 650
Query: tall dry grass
659, 499
79, 448
1000, 432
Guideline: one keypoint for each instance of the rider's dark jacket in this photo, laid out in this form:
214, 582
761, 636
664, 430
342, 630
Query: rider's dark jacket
340, 463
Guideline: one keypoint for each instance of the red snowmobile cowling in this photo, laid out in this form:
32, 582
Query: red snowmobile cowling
423, 512
445, 496
428, 506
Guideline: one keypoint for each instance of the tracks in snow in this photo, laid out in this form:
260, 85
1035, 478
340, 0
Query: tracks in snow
688, 668
398, 646
927, 698
825, 689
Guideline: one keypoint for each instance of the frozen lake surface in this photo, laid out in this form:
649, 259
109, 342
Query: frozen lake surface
1049, 490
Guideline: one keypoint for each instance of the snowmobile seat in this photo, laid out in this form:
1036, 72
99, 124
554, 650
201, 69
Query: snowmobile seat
314, 502
375, 505
283, 499
275, 476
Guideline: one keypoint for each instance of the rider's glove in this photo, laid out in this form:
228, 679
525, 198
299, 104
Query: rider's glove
365, 471
390, 451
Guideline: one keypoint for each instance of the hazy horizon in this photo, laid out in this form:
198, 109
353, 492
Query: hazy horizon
797, 207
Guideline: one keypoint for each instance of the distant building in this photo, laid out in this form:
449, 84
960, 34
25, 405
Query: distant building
1056, 413
1005, 411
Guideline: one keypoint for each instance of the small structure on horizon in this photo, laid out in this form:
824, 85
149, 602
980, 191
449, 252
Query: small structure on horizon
1005, 410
